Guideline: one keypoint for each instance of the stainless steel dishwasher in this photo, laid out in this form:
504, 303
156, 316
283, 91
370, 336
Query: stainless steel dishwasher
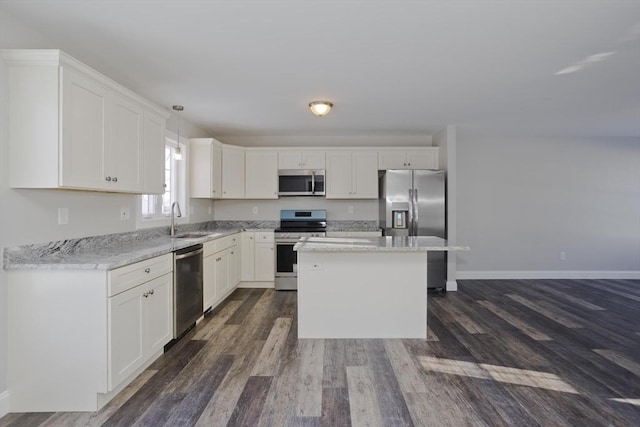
187, 288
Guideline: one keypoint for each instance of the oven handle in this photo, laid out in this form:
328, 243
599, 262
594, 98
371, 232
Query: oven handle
313, 182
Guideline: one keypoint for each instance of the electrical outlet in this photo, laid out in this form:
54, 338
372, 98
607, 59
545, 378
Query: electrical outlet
255, 210
125, 214
63, 216
563, 255
316, 266
350, 209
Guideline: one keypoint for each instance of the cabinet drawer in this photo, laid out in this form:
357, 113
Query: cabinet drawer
226, 242
264, 237
209, 248
132, 275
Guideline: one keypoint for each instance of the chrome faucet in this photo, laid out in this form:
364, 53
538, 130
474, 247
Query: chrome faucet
173, 218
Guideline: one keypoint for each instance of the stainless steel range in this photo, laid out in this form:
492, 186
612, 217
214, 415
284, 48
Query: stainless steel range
295, 224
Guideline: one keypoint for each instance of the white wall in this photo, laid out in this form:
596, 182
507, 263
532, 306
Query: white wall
523, 200
270, 209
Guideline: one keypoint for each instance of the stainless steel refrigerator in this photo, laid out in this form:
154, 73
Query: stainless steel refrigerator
412, 203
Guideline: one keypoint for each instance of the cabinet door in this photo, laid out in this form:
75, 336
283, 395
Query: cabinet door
289, 159
125, 145
232, 173
153, 136
234, 266
209, 265
261, 175
222, 274
247, 243
216, 172
395, 159
158, 313
423, 159
313, 159
365, 175
339, 175
126, 334
264, 262
83, 143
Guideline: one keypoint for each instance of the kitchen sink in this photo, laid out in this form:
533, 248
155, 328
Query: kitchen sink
190, 236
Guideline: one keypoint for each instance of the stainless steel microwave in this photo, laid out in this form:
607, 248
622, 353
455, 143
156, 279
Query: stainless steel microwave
301, 182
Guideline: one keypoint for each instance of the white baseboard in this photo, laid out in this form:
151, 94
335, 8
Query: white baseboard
4, 403
256, 285
451, 286
565, 274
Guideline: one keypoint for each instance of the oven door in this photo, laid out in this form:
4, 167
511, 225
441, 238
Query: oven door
286, 265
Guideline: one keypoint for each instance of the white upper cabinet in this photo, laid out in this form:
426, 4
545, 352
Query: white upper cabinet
233, 172
205, 168
352, 175
296, 159
153, 135
261, 174
72, 127
417, 158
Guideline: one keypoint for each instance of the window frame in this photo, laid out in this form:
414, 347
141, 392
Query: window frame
180, 181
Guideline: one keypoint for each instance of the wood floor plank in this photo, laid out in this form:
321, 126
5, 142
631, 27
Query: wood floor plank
460, 317
309, 386
249, 405
409, 375
335, 407
364, 409
133, 408
393, 408
247, 305
270, 356
515, 322
548, 288
219, 409
620, 360
213, 323
554, 314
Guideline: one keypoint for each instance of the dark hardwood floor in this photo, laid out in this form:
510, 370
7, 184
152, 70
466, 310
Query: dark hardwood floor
499, 353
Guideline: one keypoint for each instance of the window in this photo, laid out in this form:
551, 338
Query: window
156, 208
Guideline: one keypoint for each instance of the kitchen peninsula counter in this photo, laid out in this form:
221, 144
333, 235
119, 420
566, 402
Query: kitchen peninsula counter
365, 287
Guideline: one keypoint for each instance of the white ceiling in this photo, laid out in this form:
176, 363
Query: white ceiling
245, 68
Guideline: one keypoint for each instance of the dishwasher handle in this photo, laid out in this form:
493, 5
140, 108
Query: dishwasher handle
189, 254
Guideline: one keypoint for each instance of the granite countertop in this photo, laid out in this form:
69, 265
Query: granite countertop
376, 244
101, 255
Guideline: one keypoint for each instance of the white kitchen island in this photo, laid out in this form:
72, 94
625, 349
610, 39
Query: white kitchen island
364, 287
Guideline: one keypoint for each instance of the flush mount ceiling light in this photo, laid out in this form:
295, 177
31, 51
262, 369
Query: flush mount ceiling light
320, 108
177, 154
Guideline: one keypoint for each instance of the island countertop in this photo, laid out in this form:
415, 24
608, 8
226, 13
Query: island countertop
377, 244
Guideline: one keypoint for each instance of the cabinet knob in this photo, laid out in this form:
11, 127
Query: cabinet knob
232, 253
146, 295
115, 179
151, 292
108, 179
147, 270
408, 164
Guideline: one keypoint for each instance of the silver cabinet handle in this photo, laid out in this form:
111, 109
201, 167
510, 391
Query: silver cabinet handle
146, 295
147, 270
108, 178
151, 292
115, 179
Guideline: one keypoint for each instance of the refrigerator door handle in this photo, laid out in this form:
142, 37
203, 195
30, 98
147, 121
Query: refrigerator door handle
415, 214
411, 212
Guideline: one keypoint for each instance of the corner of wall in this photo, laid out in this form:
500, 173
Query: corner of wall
4, 403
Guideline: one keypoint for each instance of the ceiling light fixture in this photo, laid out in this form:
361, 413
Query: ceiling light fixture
177, 154
320, 108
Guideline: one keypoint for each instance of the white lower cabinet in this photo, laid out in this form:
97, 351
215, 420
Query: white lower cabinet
258, 256
141, 323
75, 338
221, 269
